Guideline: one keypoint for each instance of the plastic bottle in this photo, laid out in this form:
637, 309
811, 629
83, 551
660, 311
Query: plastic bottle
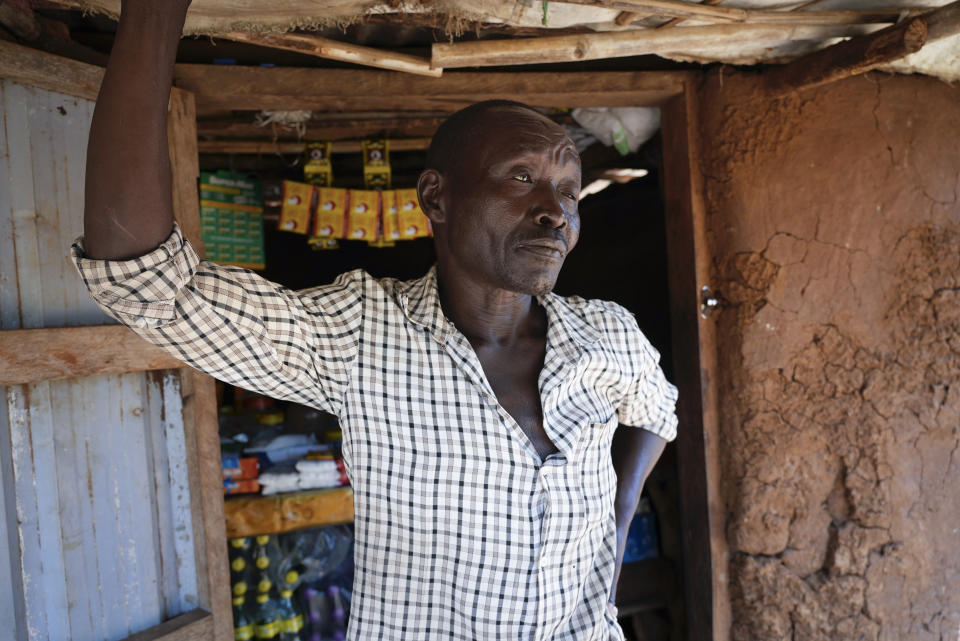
266, 623
242, 625
291, 620
261, 562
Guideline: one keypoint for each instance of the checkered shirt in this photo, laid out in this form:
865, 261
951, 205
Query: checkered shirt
462, 531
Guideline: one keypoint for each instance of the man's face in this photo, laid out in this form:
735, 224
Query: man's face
510, 202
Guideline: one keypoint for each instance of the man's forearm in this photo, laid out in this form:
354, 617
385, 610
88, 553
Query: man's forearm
128, 207
635, 451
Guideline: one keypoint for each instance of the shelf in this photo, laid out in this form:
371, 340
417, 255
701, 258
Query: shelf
253, 515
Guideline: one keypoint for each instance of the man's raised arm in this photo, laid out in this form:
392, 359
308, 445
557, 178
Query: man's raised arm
129, 208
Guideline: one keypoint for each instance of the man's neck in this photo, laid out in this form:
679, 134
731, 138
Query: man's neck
486, 315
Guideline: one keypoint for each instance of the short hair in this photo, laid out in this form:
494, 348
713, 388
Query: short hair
461, 124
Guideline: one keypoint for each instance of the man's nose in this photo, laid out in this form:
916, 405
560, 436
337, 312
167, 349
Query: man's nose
549, 212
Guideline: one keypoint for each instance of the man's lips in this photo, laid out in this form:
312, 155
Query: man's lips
547, 247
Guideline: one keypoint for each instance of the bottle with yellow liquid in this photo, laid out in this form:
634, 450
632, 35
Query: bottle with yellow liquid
242, 625
266, 621
291, 619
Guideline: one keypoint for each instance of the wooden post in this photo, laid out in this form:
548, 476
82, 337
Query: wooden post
592, 46
702, 517
862, 54
335, 50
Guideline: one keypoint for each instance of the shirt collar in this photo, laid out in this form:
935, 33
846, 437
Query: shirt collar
420, 301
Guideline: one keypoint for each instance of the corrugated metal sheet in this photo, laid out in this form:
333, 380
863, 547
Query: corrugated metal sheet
96, 515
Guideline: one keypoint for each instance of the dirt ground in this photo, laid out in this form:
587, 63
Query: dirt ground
834, 223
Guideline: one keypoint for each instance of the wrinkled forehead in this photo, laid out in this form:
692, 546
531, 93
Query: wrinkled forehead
507, 131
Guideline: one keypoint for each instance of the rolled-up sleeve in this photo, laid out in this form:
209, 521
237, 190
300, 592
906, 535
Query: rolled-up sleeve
232, 323
650, 401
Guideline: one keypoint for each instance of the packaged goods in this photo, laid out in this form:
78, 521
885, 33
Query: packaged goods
317, 169
297, 207
231, 218
411, 220
391, 229
239, 468
331, 213
376, 164
364, 217
233, 486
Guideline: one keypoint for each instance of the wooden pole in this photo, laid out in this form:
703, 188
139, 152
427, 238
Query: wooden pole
335, 50
675, 21
592, 46
846, 59
860, 55
267, 147
682, 9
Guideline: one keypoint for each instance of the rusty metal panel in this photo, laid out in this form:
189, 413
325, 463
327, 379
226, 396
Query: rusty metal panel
96, 532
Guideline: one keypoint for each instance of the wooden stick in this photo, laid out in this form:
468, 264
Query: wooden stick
845, 59
267, 147
626, 17
334, 50
635, 42
33, 355
943, 22
681, 9
674, 22
325, 129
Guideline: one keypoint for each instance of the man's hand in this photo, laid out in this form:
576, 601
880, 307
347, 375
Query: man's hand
129, 206
635, 451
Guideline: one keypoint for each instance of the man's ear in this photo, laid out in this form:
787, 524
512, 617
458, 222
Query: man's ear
430, 191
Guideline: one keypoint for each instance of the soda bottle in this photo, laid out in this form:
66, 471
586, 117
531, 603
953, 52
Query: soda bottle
291, 621
266, 623
242, 625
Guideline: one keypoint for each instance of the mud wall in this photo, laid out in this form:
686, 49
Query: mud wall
834, 223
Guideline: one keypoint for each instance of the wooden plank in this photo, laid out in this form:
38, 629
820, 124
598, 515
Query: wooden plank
219, 87
683, 9
257, 147
845, 59
185, 165
335, 50
325, 129
34, 68
196, 625
694, 354
252, 515
206, 483
31, 355
615, 44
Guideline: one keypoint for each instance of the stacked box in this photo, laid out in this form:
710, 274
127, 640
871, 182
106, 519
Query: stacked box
231, 216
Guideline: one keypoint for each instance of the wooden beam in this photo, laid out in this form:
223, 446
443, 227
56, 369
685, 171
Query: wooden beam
33, 355
196, 625
702, 514
615, 44
324, 129
267, 147
206, 499
675, 21
850, 58
219, 87
185, 165
943, 22
48, 71
335, 50
683, 9
252, 515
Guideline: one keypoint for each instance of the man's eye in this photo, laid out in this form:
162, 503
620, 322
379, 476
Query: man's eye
522, 177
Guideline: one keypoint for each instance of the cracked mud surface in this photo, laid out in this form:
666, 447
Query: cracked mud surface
834, 223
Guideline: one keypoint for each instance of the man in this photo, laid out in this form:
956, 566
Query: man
478, 409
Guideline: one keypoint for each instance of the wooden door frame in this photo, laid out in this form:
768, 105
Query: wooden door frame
213, 88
